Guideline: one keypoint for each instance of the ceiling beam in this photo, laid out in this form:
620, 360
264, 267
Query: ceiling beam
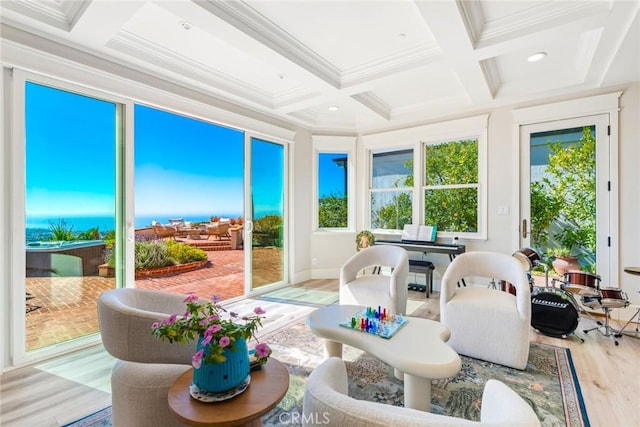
449, 28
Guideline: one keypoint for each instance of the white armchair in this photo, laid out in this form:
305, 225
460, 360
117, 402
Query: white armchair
372, 290
485, 323
326, 401
146, 367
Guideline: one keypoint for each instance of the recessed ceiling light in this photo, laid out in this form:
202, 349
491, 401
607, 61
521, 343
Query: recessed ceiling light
185, 25
333, 108
402, 36
536, 56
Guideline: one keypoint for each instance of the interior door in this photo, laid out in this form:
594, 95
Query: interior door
266, 237
565, 197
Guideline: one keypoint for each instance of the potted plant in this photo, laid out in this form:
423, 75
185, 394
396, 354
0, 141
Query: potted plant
563, 260
221, 362
364, 239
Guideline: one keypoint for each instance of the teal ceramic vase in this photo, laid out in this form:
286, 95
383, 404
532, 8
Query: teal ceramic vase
221, 377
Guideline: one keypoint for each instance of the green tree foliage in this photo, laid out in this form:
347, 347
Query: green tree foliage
545, 208
566, 196
448, 165
268, 230
393, 215
449, 207
332, 212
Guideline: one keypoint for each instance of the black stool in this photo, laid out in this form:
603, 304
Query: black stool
422, 267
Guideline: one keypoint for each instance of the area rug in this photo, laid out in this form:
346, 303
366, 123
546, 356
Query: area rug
549, 383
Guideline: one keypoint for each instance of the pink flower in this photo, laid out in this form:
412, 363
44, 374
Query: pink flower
196, 361
224, 341
155, 325
263, 350
259, 310
207, 339
191, 298
212, 329
172, 319
215, 298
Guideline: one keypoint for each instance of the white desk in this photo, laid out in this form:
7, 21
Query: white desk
418, 349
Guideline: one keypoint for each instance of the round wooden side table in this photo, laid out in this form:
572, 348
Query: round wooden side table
268, 386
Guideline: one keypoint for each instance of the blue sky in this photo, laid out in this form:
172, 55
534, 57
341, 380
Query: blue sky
186, 167
183, 167
70, 153
331, 177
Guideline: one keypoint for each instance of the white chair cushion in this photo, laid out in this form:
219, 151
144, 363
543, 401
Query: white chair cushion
501, 328
368, 291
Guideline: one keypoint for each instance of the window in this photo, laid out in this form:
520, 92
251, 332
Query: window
451, 190
333, 206
391, 189
333, 183
434, 174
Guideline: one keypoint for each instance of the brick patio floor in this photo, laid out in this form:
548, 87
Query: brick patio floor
67, 305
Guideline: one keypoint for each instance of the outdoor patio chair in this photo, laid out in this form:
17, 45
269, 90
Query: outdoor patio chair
165, 231
219, 230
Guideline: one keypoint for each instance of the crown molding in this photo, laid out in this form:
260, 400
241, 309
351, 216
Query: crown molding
146, 50
249, 21
374, 103
418, 56
539, 17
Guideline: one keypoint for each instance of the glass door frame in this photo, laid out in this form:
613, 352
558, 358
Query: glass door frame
249, 219
16, 216
603, 203
553, 116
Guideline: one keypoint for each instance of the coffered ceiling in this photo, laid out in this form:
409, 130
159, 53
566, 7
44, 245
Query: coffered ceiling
382, 64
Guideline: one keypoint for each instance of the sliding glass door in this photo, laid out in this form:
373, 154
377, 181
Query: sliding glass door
189, 204
69, 155
268, 232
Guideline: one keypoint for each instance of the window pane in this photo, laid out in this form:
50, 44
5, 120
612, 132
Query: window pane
454, 162
452, 209
392, 169
332, 190
267, 195
189, 202
70, 211
390, 210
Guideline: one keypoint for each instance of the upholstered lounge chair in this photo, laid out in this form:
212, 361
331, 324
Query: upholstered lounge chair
326, 403
146, 367
373, 290
486, 323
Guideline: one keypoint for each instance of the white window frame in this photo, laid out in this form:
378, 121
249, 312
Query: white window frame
477, 186
19, 354
337, 145
454, 130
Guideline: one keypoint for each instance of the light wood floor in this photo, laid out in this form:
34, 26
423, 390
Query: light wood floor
72, 386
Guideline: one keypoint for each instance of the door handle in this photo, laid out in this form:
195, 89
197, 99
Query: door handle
524, 228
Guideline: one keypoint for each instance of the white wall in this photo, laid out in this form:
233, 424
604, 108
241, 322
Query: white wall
300, 195
330, 250
629, 207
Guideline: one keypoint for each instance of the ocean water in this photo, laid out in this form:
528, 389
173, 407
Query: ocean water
107, 223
